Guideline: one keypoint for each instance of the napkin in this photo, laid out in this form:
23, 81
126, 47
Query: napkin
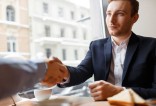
127, 97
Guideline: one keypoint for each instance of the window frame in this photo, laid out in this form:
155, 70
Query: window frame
76, 54
48, 52
47, 30
45, 7
10, 13
60, 12
11, 44
64, 54
97, 14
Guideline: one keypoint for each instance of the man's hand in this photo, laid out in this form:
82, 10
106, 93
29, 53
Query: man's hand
101, 90
62, 67
56, 72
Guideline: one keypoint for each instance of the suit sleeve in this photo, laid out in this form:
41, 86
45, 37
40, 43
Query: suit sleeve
147, 93
19, 75
80, 73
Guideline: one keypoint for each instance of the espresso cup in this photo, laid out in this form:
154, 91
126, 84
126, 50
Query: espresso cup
42, 94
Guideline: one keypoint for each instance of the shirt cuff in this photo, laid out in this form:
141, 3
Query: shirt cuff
65, 81
124, 88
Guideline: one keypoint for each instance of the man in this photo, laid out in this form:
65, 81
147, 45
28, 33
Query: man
122, 60
18, 75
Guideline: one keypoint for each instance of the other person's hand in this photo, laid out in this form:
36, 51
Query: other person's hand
56, 72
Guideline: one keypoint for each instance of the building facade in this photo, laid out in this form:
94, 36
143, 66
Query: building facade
44, 28
14, 27
55, 30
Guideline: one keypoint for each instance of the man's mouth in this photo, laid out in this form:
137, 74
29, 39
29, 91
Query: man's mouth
112, 27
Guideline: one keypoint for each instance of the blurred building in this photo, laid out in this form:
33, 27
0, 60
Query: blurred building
14, 27
56, 29
41, 28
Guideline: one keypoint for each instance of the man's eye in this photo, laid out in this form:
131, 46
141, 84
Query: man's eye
108, 14
121, 14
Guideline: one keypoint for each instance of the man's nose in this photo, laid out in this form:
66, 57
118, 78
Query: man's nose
112, 19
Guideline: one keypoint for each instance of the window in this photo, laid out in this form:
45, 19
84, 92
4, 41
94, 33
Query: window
82, 15
11, 44
84, 35
48, 52
46, 24
10, 13
60, 12
72, 15
62, 32
76, 54
74, 33
45, 7
64, 54
47, 30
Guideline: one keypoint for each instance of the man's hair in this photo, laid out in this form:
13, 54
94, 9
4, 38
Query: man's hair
134, 6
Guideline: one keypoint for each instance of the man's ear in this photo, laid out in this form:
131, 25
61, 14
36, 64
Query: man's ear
135, 18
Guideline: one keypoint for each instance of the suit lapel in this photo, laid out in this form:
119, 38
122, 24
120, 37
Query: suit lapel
107, 56
131, 48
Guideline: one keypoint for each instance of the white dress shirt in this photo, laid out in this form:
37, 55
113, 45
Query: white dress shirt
117, 62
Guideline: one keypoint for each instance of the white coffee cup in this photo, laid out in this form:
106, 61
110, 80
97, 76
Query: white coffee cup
42, 94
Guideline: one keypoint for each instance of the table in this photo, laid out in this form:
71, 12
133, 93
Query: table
64, 101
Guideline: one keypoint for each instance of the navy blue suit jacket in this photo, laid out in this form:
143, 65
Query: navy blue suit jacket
139, 71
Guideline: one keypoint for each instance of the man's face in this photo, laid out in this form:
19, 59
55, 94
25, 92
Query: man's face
118, 19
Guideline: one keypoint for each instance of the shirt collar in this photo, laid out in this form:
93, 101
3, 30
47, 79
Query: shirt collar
125, 42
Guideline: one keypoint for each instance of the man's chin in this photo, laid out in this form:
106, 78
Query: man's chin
112, 33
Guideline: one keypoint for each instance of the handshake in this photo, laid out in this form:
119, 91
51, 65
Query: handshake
56, 72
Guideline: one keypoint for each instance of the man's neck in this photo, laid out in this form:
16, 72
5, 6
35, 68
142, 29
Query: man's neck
119, 39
